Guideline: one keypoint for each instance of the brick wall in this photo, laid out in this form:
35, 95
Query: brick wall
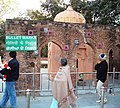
99, 39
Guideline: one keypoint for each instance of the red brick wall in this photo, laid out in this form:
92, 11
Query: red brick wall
99, 39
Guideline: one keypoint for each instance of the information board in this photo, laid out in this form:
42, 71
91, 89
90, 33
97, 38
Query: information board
21, 43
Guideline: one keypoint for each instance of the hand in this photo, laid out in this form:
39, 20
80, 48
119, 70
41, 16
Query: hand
8, 68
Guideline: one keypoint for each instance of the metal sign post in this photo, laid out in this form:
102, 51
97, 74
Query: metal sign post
102, 98
28, 98
76, 76
33, 78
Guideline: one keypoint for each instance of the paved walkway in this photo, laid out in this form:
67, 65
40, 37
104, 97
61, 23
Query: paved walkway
83, 101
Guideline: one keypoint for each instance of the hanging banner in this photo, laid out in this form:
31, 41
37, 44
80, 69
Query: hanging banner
21, 43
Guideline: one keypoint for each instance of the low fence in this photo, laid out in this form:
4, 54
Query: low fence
85, 82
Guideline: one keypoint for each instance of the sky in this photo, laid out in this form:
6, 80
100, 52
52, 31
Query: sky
22, 5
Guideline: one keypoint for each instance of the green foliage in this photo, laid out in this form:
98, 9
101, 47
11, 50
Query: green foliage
35, 15
2, 39
44, 51
53, 7
83, 7
2, 29
99, 11
6, 6
106, 12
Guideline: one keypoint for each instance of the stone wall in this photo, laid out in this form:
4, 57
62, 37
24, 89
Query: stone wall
99, 38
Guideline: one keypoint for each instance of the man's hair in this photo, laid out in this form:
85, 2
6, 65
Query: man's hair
13, 54
63, 61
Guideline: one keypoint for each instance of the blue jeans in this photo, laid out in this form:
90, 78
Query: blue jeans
9, 93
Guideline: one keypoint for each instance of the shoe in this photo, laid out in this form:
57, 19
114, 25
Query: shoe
105, 100
98, 101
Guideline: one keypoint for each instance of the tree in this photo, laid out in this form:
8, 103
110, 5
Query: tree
53, 7
99, 11
6, 6
82, 6
107, 12
96, 12
35, 15
2, 38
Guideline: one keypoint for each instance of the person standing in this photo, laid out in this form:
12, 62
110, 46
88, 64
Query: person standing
12, 73
101, 67
63, 90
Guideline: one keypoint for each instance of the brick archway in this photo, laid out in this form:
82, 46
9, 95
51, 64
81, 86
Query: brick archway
115, 55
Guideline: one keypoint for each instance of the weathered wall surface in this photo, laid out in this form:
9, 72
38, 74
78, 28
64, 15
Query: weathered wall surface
98, 39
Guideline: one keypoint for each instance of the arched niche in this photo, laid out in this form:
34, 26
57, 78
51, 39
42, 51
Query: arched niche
52, 56
85, 55
111, 61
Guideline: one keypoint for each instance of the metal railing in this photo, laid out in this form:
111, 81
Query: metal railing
86, 84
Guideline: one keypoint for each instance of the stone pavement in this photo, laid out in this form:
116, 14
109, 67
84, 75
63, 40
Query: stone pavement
83, 101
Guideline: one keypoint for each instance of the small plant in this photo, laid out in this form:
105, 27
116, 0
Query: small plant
81, 77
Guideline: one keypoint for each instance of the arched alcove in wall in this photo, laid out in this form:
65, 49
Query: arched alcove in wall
54, 54
111, 61
85, 55
49, 58
50, 53
117, 62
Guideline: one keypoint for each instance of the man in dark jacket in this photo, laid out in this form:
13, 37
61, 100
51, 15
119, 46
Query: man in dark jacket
101, 68
12, 73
